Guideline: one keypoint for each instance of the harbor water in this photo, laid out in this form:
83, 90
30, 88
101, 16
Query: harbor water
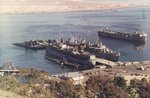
24, 27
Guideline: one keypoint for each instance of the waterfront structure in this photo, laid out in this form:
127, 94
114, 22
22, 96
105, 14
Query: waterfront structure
76, 77
8, 69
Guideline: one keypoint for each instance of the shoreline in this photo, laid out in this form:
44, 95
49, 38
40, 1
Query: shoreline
127, 70
29, 81
78, 11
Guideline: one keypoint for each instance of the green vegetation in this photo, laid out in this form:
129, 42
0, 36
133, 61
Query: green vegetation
120, 81
9, 83
139, 88
104, 87
35, 84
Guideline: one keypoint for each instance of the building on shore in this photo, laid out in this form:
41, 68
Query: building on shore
76, 77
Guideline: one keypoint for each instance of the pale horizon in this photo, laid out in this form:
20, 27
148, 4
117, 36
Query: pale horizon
69, 1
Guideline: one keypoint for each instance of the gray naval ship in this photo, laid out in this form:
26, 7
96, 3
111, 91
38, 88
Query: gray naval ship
101, 51
98, 49
79, 54
70, 55
136, 37
33, 44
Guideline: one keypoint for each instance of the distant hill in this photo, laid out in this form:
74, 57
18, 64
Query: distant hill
48, 6
39, 1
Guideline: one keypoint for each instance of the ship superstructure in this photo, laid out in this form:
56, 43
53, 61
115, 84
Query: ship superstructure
98, 49
33, 44
101, 51
70, 54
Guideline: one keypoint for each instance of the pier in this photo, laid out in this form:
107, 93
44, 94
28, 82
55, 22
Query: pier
8, 68
106, 62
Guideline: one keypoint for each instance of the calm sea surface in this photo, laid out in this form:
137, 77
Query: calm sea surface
21, 27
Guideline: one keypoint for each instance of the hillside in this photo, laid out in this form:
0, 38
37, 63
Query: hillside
7, 94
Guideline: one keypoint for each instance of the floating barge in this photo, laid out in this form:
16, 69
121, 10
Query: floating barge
139, 37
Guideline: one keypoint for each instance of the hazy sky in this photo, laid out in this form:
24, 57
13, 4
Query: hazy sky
125, 1
49, 1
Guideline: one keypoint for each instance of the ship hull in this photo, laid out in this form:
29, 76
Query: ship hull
67, 58
29, 47
108, 56
122, 36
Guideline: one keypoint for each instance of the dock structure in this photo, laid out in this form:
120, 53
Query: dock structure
8, 68
79, 76
106, 62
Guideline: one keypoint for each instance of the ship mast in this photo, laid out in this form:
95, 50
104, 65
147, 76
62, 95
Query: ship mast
143, 13
59, 37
